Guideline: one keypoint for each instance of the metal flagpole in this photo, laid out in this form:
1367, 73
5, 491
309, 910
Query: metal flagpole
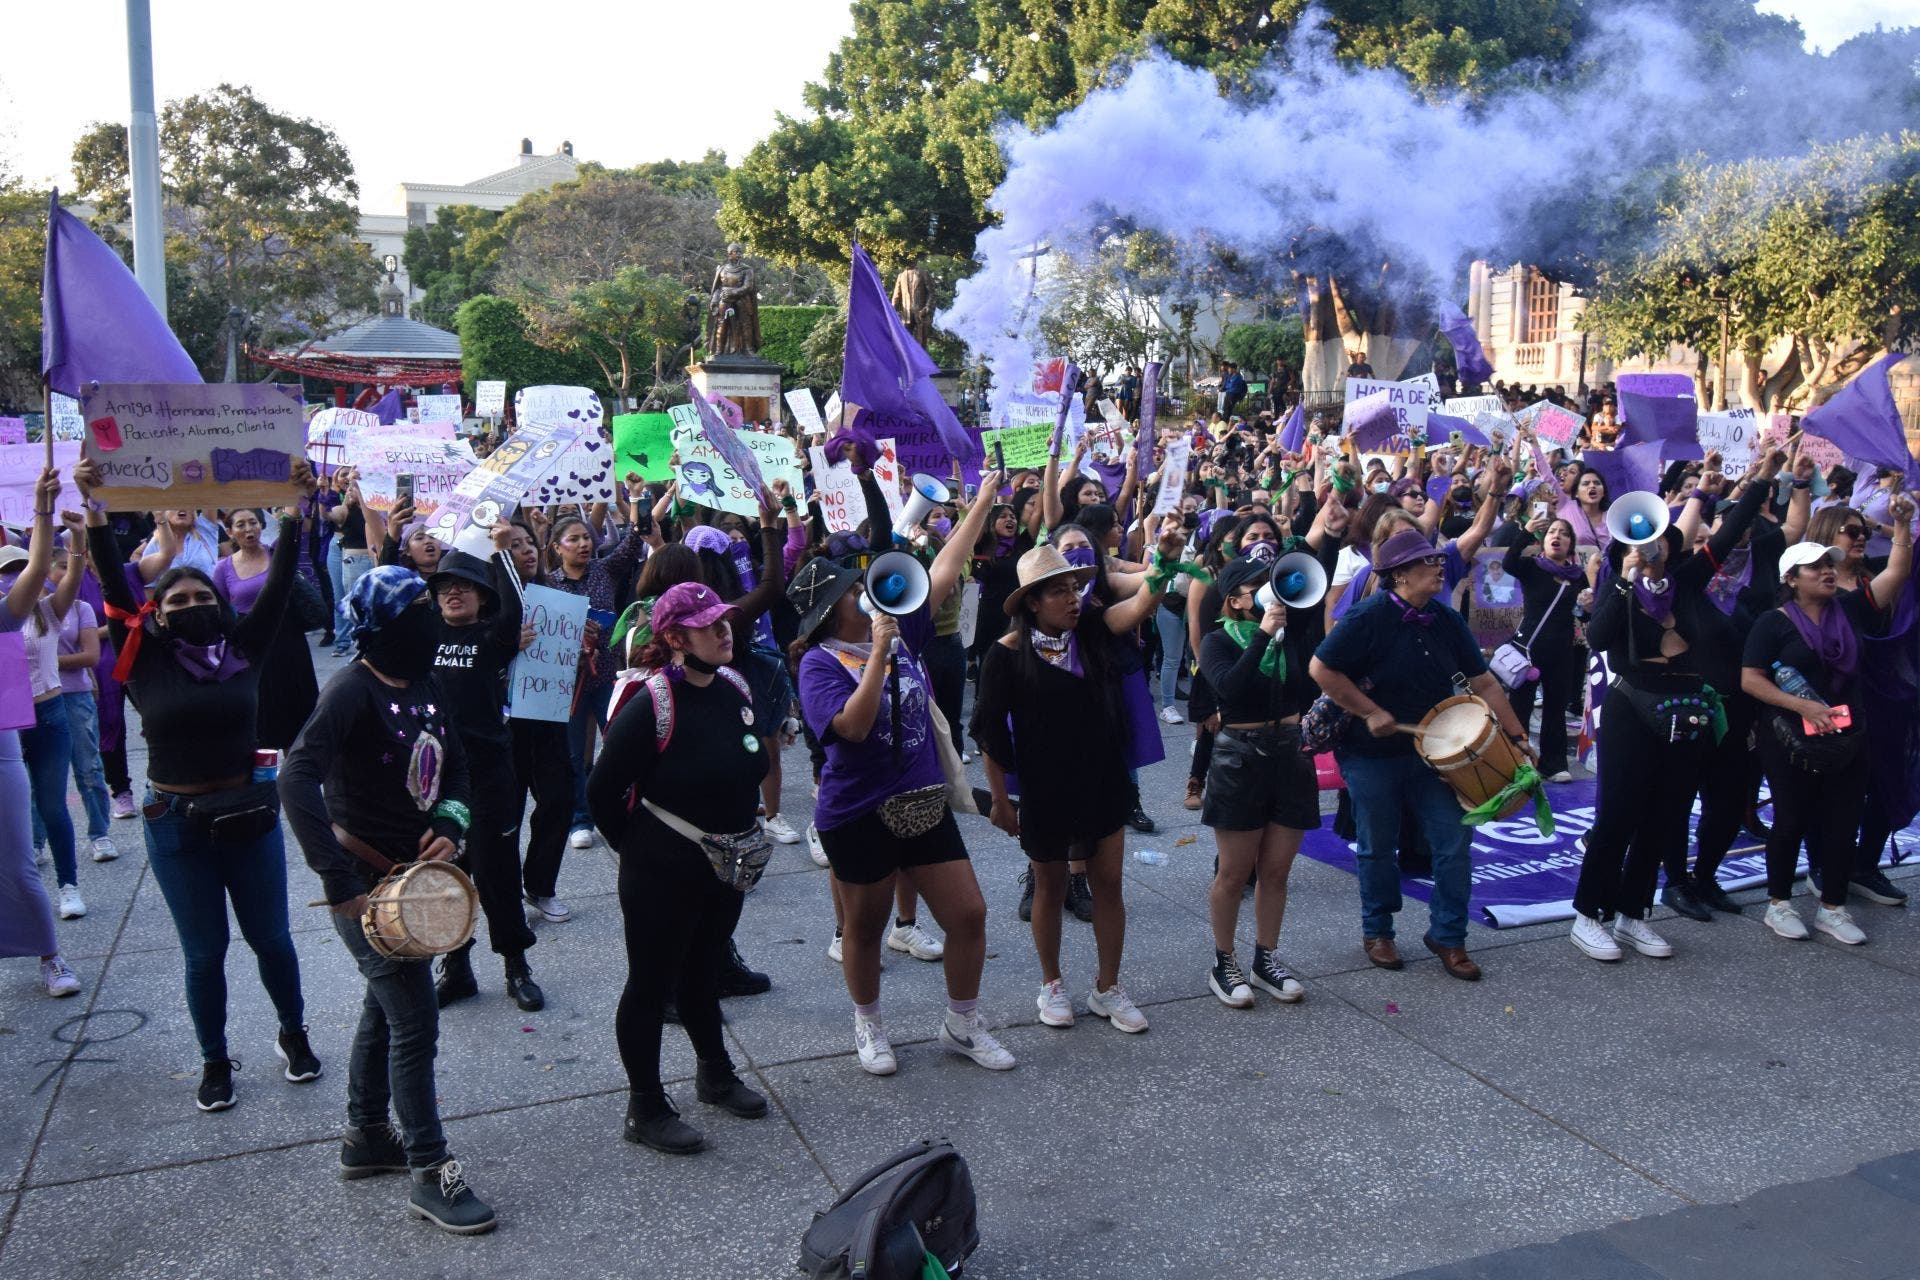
143, 159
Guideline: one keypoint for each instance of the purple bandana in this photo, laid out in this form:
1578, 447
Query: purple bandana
1658, 604
1568, 572
1419, 617
211, 663
1831, 638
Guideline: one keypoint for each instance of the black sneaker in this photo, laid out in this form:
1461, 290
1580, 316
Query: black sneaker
661, 1128
1875, 887
1272, 977
372, 1150
1685, 899
1710, 892
727, 1091
216, 1085
1026, 895
1140, 822
735, 979
1080, 897
297, 1055
456, 981
441, 1196
520, 985
1229, 981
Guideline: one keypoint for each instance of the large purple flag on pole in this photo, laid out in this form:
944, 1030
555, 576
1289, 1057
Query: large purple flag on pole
1469, 357
97, 324
887, 373
1647, 417
1862, 419
724, 442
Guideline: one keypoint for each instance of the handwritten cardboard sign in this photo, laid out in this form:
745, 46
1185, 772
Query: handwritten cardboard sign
533, 405
193, 445
837, 490
438, 408
492, 490
489, 398
382, 457
805, 412
1173, 476
642, 443
13, 430
1735, 434
1410, 400
20, 467
710, 480
1557, 427
540, 682
1024, 445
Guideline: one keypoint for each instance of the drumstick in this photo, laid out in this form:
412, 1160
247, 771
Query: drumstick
1413, 729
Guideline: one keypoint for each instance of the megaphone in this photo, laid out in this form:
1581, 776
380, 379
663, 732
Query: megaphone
896, 583
1298, 581
928, 493
1637, 518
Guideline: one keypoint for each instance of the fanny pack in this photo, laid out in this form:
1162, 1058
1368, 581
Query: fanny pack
232, 818
1681, 714
914, 813
1816, 752
738, 860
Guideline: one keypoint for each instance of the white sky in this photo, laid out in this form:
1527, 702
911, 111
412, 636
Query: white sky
463, 83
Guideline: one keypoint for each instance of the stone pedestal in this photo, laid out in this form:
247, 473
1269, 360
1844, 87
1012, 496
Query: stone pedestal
947, 382
748, 381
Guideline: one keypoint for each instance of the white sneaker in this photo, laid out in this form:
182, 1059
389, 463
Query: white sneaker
1592, 937
1056, 1010
71, 906
1171, 715
966, 757
103, 850
1639, 935
582, 838
1785, 921
552, 910
816, 850
782, 830
833, 950
876, 1055
1117, 1007
968, 1037
916, 942
1837, 923
1562, 776
59, 978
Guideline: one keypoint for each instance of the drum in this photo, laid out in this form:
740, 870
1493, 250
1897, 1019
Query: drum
423, 909
1462, 742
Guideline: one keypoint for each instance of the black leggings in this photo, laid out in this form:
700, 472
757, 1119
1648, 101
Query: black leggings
543, 767
678, 917
492, 858
1646, 792
1556, 678
1729, 774
945, 659
1821, 809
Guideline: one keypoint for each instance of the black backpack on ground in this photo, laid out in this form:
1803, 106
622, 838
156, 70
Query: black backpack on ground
915, 1202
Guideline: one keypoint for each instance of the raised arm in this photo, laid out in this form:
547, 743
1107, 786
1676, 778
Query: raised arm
1888, 582
772, 580
1124, 615
950, 565
25, 592
1499, 476
256, 631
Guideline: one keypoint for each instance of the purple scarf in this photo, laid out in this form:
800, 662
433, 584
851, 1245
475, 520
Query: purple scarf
209, 664
1735, 576
1657, 604
1831, 638
1568, 572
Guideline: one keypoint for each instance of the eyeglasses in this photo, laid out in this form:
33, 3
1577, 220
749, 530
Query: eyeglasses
1854, 531
1431, 562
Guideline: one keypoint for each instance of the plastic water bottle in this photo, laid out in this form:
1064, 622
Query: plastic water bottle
266, 765
1794, 684
1150, 857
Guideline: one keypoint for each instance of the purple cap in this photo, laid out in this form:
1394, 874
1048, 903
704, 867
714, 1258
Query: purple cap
687, 605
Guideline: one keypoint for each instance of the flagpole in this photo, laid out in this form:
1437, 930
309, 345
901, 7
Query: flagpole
46, 428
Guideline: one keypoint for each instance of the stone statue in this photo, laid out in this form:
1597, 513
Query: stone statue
913, 299
733, 308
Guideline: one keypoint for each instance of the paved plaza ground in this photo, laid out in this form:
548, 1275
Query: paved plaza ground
1697, 1117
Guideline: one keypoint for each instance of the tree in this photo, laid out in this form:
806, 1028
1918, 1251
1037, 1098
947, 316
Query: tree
452, 259
1255, 346
23, 249
1097, 314
260, 210
494, 344
624, 323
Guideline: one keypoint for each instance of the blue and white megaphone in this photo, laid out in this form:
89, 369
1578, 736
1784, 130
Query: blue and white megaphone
1637, 518
928, 493
896, 583
1298, 581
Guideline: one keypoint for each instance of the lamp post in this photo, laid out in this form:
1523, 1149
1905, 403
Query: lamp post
235, 318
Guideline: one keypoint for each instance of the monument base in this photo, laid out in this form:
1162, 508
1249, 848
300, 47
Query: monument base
748, 381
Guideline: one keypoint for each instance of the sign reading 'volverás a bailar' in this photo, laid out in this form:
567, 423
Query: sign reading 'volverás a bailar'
167, 444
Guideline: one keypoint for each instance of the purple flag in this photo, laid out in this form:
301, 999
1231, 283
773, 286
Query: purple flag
97, 325
1445, 424
1371, 420
1149, 417
1469, 357
1654, 384
1862, 419
724, 442
1634, 468
388, 408
1069, 388
887, 373
1293, 436
1645, 417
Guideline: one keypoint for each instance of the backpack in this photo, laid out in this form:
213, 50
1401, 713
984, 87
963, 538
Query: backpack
916, 1203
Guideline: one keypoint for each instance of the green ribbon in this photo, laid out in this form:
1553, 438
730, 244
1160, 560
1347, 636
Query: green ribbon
932, 1269
633, 619
455, 812
1526, 780
1161, 573
1273, 662
1718, 705
1340, 483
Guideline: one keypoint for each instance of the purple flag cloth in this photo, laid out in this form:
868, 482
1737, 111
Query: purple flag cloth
1069, 388
1862, 419
1293, 436
97, 324
1469, 357
1442, 426
1644, 417
886, 371
724, 442
1371, 420
388, 408
1682, 451
1654, 384
1636, 467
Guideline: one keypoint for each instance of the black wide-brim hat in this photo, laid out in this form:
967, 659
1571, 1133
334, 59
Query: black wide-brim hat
815, 589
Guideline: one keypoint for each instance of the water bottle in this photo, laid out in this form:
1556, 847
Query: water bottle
266, 765
1150, 857
1794, 684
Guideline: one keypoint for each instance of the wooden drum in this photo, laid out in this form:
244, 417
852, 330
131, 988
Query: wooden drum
423, 909
1462, 742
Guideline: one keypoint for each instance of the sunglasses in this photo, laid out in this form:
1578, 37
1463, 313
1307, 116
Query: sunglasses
1854, 531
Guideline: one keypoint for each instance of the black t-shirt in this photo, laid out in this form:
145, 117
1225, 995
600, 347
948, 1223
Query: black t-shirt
709, 776
353, 533
1411, 667
1244, 695
1774, 638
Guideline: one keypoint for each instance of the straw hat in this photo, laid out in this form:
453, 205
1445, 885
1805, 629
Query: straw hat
1040, 565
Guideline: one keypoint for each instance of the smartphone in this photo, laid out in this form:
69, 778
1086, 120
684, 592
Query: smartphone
1539, 509
1455, 439
403, 487
969, 492
1842, 719
999, 457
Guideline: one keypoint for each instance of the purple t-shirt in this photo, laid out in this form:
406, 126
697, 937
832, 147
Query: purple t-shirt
859, 775
241, 592
79, 618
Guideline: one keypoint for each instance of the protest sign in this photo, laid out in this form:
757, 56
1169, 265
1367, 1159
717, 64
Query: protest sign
1734, 434
438, 408
381, 457
1024, 445
1825, 453
489, 398
194, 445
533, 405
1173, 476
540, 682
490, 492
67, 422
1111, 412
20, 468
830, 414
1467, 406
583, 475
13, 430
805, 412
642, 442
329, 432
837, 490
1409, 400
886, 472
708, 479
1557, 428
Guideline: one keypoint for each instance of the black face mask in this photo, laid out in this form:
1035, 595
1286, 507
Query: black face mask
700, 665
1191, 519
199, 624
404, 648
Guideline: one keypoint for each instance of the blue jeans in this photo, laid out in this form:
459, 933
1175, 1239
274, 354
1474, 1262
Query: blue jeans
354, 565
394, 1048
1173, 651
589, 714
197, 880
1378, 786
83, 731
49, 754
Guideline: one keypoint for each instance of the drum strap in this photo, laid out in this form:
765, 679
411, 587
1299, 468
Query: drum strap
362, 850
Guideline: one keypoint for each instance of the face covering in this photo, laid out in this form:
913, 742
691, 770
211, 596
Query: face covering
404, 647
1262, 551
198, 625
1082, 558
940, 525
699, 664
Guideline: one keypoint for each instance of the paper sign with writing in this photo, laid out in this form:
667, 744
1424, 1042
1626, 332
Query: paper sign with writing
1173, 476
1825, 453
540, 682
1025, 446
382, 457
489, 398
584, 475
438, 408
643, 443
805, 412
20, 467
492, 490
708, 479
1735, 434
1409, 400
330, 431
13, 430
886, 470
193, 445
1111, 412
830, 414
837, 490
67, 422
556, 404
1557, 427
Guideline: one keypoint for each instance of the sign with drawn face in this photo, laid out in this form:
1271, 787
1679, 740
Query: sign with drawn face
494, 489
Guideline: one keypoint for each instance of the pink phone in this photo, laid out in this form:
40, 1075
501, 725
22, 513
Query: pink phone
1842, 719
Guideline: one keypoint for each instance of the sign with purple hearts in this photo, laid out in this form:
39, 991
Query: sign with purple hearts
533, 405
494, 489
584, 475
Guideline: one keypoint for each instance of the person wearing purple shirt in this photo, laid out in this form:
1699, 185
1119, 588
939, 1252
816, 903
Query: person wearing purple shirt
882, 809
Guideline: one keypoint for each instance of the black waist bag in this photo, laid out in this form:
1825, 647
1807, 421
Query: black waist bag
916, 1202
232, 818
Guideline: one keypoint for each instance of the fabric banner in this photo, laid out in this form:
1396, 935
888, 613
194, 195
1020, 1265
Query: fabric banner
172, 444
540, 682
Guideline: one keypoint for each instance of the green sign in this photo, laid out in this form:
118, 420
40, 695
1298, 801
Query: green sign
642, 442
1026, 446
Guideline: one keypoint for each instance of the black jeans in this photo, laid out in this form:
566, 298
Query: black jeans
394, 1048
678, 918
1728, 773
1821, 809
945, 659
492, 858
543, 767
1646, 792
1556, 678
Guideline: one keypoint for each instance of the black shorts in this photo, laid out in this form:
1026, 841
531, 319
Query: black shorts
865, 852
1261, 776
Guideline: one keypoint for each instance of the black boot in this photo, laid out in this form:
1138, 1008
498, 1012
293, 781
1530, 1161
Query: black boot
456, 981
654, 1123
1709, 892
1026, 895
520, 985
371, 1150
720, 1087
1140, 822
1080, 897
1685, 899
735, 979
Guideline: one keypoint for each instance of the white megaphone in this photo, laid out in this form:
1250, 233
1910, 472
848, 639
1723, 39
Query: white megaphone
1298, 581
896, 583
928, 493
1637, 518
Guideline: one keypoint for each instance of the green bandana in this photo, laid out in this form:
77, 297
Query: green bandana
1273, 662
1526, 782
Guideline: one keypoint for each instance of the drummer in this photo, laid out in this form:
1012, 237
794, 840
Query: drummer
1395, 656
396, 789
